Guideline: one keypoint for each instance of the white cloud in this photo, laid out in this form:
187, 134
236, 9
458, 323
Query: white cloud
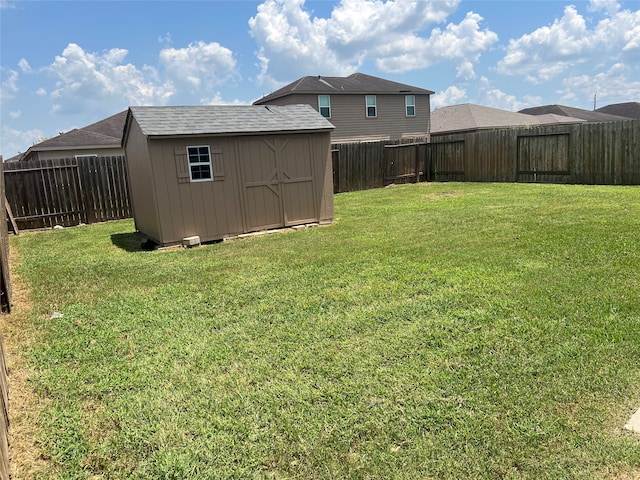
465, 70
292, 44
41, 92
464, 41
612, 86
165, 39
496, 98
568, 43
19, 140
24, 65
15, 114
548, 51
389, 33
609, 6
7, 4
89, 80
9, 86
217, 99
201, 65
451, 96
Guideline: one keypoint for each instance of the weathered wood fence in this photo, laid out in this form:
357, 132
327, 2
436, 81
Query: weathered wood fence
67, 192
5, 304
365, 165
592, 153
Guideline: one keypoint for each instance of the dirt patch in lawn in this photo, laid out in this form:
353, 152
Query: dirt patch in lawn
26, 459
443, 195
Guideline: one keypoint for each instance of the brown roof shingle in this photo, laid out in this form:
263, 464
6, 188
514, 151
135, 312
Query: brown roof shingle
627, 109
588, 115
468, 116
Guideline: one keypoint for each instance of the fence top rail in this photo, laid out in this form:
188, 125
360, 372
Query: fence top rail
406, 145
39, 169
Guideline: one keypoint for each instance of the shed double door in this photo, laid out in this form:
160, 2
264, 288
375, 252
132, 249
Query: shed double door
277, 181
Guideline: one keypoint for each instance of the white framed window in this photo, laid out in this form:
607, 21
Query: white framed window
410, 105
199, 158
372, 109
324, 105
87, 155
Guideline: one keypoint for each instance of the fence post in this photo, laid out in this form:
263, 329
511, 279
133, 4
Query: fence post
417, 147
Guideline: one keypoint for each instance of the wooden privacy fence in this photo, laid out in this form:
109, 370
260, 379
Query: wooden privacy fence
588, 153
67, 192
86, 190
5, 303
365, 165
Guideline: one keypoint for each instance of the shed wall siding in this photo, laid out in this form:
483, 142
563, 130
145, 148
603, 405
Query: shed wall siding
210, 209
142, 188
285, 179
259, 182
348, 115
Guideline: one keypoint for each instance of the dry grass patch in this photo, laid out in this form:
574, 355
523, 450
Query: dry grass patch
25, 406
442, 195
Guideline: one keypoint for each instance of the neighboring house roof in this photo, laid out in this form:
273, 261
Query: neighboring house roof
468, 116
356, 83
112, 126
106, 133
588, 115
77, 138
227, 119
15, 158
628, 109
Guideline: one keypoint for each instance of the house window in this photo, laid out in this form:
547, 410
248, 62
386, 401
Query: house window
410, 105
199, 163
324, 106
372, 110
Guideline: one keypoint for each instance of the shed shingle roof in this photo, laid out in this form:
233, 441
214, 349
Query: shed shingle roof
356, 83
228, 119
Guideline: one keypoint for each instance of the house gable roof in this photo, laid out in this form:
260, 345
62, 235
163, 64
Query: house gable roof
226, 120
356, 83
627, 109
112, 126
468, 116
105, 133
77, 138
588, 115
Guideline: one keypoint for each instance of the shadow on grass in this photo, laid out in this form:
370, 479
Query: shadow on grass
131, 242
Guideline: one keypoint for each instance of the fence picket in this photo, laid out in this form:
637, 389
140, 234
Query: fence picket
67, 191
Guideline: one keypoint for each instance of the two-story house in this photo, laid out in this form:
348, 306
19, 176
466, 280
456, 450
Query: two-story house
361, 106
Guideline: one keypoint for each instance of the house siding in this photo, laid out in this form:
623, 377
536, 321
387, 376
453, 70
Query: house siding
348, 115
57, 154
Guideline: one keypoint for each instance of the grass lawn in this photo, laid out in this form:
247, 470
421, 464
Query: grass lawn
456, 330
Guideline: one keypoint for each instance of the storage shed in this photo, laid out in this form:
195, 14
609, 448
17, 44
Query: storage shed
218, 171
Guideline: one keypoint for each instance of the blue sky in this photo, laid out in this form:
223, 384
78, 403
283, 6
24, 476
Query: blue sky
66, 64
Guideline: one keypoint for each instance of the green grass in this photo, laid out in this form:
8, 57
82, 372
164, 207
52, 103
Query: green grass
433, 331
